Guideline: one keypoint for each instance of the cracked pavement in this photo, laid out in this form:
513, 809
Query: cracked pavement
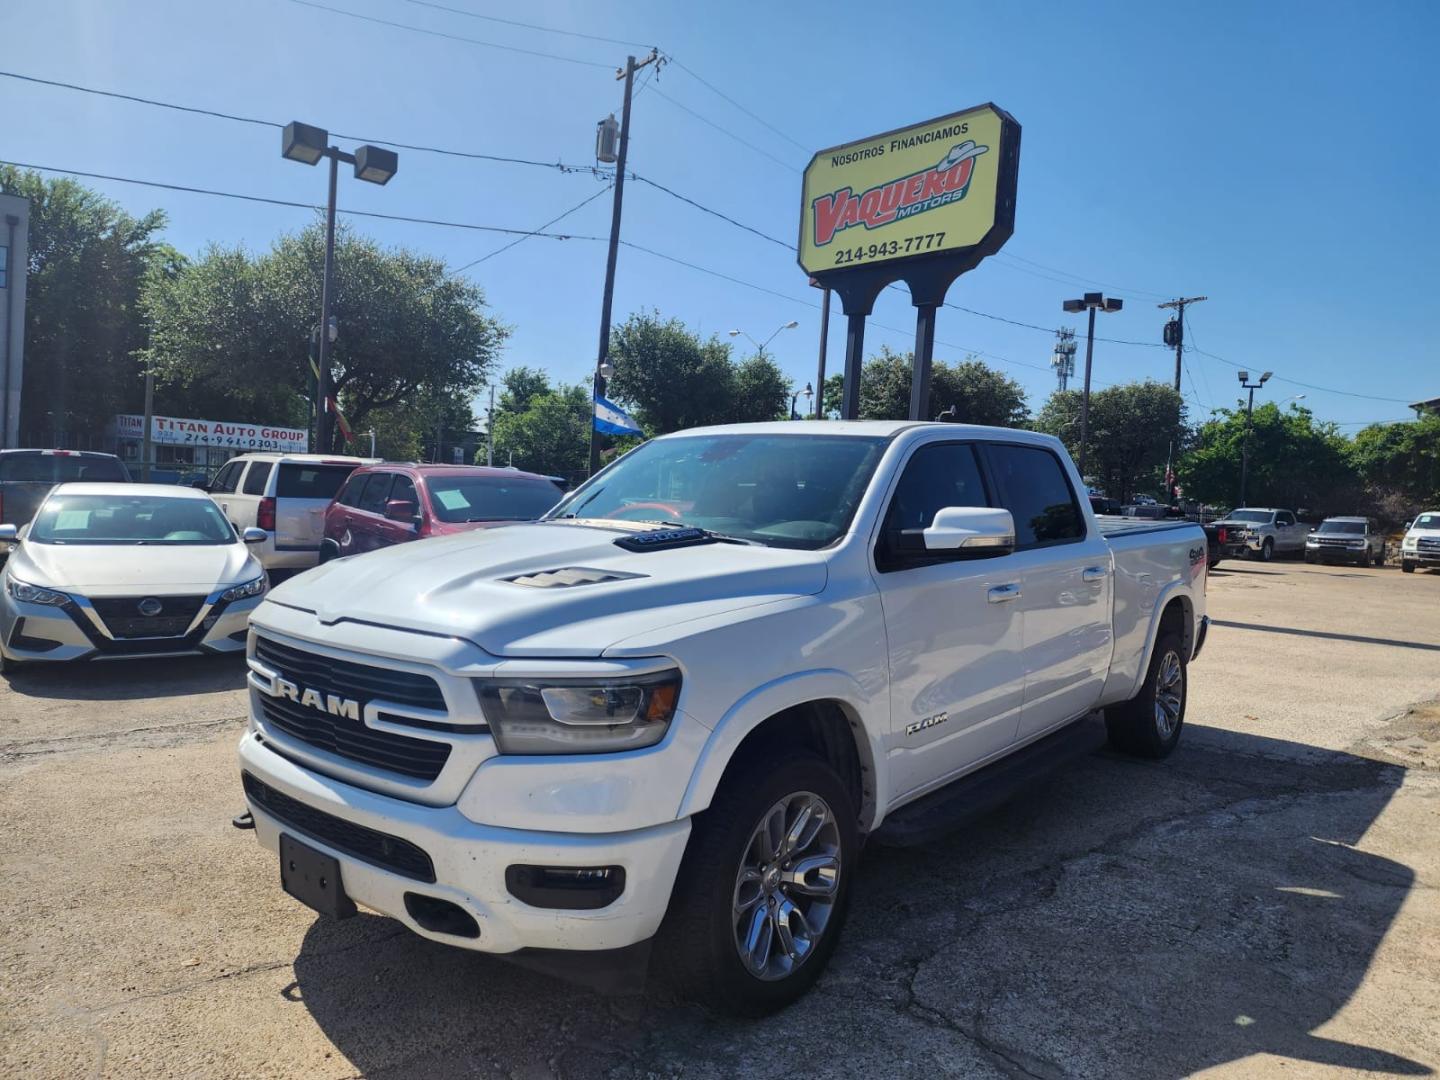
1264, 903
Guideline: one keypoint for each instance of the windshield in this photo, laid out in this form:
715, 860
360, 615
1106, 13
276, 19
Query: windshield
795, 491
1350, 528
129, 519
1427, 521
1258, 517
60, 468
490, 498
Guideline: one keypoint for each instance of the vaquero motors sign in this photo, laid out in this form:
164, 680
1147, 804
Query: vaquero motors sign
940, 187
177, 431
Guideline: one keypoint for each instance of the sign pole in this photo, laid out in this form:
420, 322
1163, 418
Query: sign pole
824, 343
924, 354
146, 439
854, 357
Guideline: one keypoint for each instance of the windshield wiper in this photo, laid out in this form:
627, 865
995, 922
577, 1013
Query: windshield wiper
591, 498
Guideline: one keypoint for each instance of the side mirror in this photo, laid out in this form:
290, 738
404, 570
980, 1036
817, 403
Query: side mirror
9, 534
201, 483
253, 535
401, 510
971, 531
1408, 524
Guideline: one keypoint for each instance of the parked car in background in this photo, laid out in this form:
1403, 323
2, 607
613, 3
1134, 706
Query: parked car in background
1421, 545
1220, 544
1355, 540
115, 570
1266, 532
26, 477
381, 505
285, 495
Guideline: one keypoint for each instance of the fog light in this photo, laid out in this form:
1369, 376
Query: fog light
574, 888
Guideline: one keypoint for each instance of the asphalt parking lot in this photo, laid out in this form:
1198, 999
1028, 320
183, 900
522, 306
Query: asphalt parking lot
1266, 902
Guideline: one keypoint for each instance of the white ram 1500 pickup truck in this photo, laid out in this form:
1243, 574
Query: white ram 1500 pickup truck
677, 706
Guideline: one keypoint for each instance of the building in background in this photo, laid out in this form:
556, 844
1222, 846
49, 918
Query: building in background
14, 259
186, 450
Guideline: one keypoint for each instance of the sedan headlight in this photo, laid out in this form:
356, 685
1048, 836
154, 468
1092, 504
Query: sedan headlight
579, 716
254, 587
34, 594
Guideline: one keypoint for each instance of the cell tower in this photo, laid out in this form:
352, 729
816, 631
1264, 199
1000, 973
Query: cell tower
1064, 359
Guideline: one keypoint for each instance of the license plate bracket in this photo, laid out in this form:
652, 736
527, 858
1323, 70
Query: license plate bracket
313, 878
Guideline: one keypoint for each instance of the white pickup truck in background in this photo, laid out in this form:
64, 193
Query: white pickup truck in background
677, 707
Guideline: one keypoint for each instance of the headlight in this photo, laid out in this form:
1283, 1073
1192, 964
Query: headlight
579, 716
1357, 543
1310, 541
1409, 543
34, 594
243, 592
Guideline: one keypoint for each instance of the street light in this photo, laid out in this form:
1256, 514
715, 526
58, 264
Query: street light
808, 392
1092, 301
760, 345
1246, 384
307, 144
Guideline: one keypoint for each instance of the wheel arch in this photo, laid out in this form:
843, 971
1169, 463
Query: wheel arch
821, 711
1174, 608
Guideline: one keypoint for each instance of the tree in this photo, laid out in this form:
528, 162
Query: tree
89, 263
761, 391
1399, 464
234, 332
1295, 461
979, 393
1133, 428
668, 377
550, 436
521, 384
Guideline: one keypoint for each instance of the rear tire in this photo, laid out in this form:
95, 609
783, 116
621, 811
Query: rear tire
1407, 566
1267, 550
1309, 556
755, 875
328, 550
1380, 558
1149, 724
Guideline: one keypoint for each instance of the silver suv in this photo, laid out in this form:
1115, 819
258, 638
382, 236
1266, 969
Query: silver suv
1346, 539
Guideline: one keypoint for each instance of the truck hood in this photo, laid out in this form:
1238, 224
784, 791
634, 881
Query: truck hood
124, 570
577, 594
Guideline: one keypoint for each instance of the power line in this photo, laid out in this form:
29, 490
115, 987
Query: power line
299, 205
531, 26
1308, 386
713, 213
704, 120
753, 116
452, 37
538, 231
1082, 279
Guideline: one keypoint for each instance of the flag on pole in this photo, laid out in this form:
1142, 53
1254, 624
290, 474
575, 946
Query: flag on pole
610, 419
333, 406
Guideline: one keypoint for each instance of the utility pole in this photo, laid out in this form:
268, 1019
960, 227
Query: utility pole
1064, 359
146, 443
490, 430
628, 74
1175, 329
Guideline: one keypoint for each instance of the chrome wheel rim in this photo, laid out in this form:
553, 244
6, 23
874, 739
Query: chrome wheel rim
1169, 694
786, 886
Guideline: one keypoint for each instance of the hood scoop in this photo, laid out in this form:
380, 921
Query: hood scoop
568, 577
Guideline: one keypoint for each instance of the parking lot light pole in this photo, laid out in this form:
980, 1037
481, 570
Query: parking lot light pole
308, 144
1093, 301
1246, 384
760, 345
808, 392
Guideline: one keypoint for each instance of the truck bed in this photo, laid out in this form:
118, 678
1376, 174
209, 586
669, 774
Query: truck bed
1131, 526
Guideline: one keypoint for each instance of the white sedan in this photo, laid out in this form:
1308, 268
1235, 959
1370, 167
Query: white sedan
124, 570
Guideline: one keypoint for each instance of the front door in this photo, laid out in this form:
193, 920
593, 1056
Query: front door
1065, 576
953, 628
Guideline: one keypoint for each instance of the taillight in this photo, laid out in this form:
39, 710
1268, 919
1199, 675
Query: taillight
265, 515
1220, 532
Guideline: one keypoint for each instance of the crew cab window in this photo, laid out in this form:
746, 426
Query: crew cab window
377, 490
311, 481
1034, 488
350, 493
404, 490
1284, 518
258, 477
225, 479
936, 476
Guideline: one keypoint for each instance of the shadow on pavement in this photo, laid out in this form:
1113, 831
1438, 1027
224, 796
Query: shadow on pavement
1125, 918
1394, 643
130, 680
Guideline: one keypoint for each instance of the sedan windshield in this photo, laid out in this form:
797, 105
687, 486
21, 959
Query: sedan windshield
780, 490
490, 498
1351, 528
1258, 517
129, 519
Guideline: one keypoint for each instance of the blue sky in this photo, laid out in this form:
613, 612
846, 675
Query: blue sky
1280, 158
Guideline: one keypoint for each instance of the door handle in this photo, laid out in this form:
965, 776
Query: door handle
1002, 593
1095, 573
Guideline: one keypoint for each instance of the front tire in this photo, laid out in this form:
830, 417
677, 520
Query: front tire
1267, 550
1148, 725
764, 887
1309, 556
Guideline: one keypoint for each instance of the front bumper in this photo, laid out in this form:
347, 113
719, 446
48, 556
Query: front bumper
470, 861
1428, 557
39, 633
1323, 553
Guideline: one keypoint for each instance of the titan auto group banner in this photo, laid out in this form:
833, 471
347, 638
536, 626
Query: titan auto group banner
175, 431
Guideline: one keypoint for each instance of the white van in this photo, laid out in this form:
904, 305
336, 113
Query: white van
286, 495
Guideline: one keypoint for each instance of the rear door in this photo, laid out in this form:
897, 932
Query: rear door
398, 532
222, 490
1065, 584
367, 520
303, 489
250, 488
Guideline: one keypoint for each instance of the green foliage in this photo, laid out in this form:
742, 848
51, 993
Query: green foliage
231, 333
1399, 465
1132, 429
761, 390
979, 393
550, 435
521, 384
89, 262
1295, 462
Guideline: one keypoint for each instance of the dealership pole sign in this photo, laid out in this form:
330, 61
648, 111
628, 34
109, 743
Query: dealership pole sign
921, 204
177, 431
